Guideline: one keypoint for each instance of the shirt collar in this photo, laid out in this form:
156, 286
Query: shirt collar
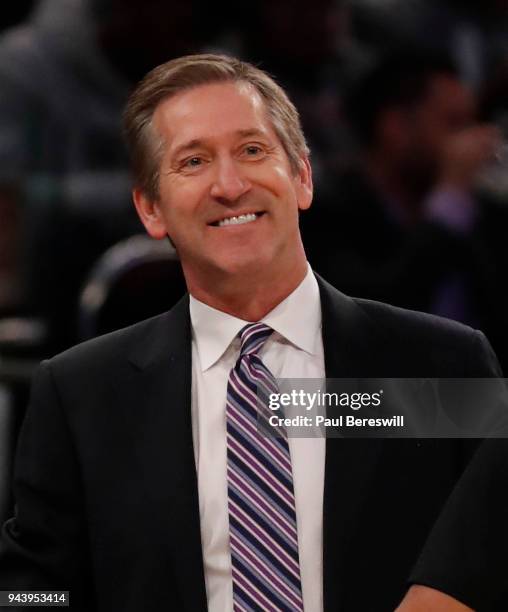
297, 319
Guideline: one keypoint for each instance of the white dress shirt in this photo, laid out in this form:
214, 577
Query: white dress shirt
294, 350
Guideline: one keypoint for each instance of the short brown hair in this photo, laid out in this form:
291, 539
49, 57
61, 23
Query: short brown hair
177, 75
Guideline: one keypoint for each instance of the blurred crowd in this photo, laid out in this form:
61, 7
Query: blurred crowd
404, 104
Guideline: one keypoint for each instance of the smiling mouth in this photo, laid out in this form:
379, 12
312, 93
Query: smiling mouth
238, 220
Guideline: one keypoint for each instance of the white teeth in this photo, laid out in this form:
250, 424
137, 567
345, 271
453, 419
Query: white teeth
238, 220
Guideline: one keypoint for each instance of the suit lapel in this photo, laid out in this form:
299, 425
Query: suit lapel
162, 361
352, 348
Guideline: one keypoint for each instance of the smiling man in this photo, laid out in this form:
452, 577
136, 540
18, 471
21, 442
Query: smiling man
229, 197
141, 480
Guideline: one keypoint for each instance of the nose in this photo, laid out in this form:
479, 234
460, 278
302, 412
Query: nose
229, 182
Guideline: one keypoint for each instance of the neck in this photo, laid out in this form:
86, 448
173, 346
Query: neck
251, 294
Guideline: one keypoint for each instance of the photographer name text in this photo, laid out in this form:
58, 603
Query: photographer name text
318, 420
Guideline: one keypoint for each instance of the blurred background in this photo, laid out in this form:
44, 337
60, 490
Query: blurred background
405, 107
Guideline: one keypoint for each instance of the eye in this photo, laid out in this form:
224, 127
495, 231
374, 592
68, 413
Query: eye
193, 162
252, 150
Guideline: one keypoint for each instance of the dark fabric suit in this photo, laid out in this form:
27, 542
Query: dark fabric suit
106, 488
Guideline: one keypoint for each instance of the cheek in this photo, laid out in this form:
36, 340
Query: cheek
281, 184
181, 199
281, 173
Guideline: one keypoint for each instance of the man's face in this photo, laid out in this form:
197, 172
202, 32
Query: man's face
228, 198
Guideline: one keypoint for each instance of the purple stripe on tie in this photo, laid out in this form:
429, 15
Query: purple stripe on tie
263, 522
250, 395
260, 549
239, 403
259, 367
257, 454
239, 608
249, 475
261, 472
254, 345
261, 567
275, 549
246, 393
251, 431
254, 593
251, 576
258, 376
260, 380
249, 332
267, 443
272, 511
260, 423
284, 574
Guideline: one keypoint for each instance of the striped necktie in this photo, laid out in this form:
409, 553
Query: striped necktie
261, 503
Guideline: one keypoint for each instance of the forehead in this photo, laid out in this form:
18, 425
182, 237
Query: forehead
212, 112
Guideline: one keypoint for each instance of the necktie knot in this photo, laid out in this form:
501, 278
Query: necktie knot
252, 338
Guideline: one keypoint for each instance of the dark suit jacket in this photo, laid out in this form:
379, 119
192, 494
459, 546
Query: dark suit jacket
105, 482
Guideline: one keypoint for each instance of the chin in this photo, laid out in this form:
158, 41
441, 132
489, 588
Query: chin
245, 264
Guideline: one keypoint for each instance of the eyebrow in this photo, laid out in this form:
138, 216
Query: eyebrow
200, 142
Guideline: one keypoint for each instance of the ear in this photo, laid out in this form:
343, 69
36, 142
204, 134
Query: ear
150, 214
305, 188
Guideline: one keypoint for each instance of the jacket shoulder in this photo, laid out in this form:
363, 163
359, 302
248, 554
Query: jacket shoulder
138, 344
456, 347
401, 321
109, 346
